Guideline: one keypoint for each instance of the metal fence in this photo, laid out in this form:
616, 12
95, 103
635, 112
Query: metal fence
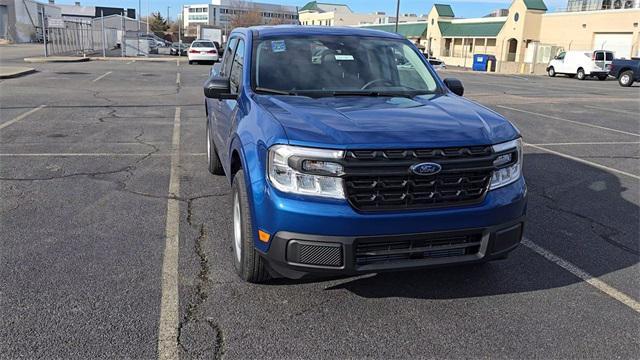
78, 38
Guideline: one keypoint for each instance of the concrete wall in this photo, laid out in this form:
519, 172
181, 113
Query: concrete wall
24, 16
576, 30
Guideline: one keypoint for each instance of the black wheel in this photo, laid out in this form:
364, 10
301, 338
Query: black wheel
581, 75
215, 166
248, 263
602, 77
626, 78
551, 72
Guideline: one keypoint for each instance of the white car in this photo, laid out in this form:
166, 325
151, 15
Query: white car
437, 63
581, 64
203, 50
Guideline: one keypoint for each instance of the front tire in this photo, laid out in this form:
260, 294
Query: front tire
551, 72
249, 265
215, 166
581, 75
626, 78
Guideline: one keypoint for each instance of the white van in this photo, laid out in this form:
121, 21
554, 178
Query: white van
581, 64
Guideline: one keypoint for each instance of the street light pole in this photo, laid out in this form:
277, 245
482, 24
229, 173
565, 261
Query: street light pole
148, 15
397, 14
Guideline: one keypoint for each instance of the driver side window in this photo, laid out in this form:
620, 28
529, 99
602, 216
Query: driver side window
228, 56
561, 56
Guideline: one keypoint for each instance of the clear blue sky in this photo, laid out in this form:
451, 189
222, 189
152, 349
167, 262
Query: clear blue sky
462, 8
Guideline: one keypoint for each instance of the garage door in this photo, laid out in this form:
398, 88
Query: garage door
620, 43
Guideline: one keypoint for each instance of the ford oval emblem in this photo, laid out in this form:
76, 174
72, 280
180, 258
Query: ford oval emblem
425, 169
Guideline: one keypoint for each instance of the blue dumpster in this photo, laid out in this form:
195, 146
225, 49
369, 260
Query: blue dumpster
484, 62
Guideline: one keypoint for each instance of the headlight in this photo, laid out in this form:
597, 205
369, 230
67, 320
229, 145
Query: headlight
508, 163
306, 171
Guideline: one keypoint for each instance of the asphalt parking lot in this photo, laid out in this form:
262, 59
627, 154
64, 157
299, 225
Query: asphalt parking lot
88, 203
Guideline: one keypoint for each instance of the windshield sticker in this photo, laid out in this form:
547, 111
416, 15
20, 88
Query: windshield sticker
344, 57
278, 46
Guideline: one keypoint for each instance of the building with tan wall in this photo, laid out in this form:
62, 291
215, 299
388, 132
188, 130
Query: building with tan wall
529, 36
330, 14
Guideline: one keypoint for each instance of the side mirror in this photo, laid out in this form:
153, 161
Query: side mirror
455, 86
218, 88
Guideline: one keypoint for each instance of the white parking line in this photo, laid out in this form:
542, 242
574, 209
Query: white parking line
20, 117
178, 62
93, 154
613, 110
178, 79
101, 76
569, 121
591, 143
169, 302
130, 62
584, 161
585, 276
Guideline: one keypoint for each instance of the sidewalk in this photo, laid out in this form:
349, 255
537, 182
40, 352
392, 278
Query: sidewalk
7, 72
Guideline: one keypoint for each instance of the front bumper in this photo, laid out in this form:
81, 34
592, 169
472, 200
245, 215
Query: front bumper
300, 255
308, 235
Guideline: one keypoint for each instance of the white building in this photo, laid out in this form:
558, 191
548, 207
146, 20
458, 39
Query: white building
220, 13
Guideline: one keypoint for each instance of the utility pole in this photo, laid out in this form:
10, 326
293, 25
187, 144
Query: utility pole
104, 37
148, 15
168, 7
397, 14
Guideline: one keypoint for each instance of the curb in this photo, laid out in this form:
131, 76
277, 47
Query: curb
16, 73
167, 59
54, 59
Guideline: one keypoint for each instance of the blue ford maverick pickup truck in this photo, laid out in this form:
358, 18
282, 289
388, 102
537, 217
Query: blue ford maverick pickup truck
347, 154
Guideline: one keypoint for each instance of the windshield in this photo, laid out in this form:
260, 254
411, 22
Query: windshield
202, 44
340, 65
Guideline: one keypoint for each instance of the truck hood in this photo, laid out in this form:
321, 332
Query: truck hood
386, 122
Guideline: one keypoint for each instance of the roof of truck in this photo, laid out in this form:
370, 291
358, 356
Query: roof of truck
284, 30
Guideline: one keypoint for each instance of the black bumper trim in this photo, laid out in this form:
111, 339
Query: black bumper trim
496, 242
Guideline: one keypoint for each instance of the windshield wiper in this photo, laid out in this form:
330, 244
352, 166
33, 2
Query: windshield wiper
325, 93
275, 91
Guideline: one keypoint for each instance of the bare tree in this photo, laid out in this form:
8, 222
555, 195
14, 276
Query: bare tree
245, 14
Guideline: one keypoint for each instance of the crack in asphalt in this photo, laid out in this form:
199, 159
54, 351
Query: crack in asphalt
606, 236
192, 315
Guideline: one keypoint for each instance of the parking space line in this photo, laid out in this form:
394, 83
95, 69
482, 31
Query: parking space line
591, 143
569, 121
178, 79
94, 154
606, 168
585, 276
612, 110
101, 76
130, 62
169, 302
22, 116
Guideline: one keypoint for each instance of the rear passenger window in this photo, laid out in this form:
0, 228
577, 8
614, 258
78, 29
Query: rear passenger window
599, 56
609, 56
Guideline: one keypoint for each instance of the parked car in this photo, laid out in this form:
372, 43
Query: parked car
356, 162
581, 64
202, 50
626, 71
437, 63
178, 49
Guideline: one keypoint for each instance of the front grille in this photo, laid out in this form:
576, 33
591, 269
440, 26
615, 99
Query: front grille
416, 247
381, 180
